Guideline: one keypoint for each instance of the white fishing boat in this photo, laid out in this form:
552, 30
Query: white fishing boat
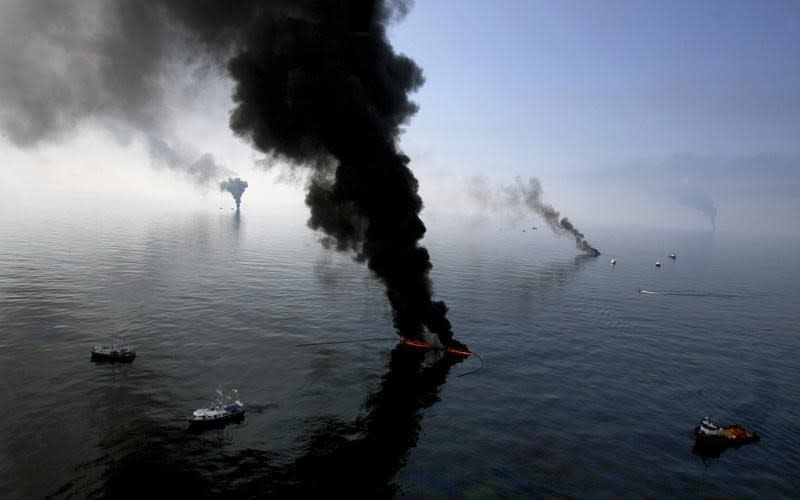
223, 408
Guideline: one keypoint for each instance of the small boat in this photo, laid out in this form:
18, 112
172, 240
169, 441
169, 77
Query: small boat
223, 408
673, 256
113, 354
710, 433
613, 262
424, 346
658, 263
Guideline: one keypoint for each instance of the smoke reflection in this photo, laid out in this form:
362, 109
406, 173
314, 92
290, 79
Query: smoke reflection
142, 456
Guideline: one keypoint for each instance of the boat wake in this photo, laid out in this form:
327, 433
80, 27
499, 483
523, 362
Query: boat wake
688, 293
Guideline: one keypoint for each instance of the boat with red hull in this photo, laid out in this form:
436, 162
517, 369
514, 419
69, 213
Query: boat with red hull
710, 433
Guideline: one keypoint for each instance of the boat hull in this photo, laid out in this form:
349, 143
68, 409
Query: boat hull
733, 435
114, 358
237, 416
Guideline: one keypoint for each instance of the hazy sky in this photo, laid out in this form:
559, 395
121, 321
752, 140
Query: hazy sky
628, 112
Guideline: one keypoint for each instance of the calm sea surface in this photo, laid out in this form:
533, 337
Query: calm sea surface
590, 387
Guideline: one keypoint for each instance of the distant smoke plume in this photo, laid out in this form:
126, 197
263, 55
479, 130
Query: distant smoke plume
686, 178
317, 85
235, 186
697, 198
65, 64
521, 196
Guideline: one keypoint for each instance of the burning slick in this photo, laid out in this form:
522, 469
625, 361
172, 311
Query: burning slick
454, 348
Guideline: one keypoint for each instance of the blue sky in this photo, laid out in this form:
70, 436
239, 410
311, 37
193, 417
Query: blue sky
585, 84
575, 91
617, 106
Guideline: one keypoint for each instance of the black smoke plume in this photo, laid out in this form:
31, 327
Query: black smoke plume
317, 85
321, 87
520, 196
235, 186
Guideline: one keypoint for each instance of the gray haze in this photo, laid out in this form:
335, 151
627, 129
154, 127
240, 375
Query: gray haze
698, 199
316, 84
521, 196
67, 63
753, 190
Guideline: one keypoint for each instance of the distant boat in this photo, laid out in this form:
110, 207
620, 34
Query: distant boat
658, 263
673, 256
613, 262
113, 354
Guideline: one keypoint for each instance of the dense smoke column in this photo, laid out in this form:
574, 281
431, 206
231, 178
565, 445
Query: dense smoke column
235, 186
580, 240
319, 85
698, 199
531, 194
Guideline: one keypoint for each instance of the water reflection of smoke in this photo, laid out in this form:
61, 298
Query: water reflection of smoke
237, 222
141, 448
364, 456
143, 456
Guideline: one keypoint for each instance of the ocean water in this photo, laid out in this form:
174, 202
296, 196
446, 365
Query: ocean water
591, 386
